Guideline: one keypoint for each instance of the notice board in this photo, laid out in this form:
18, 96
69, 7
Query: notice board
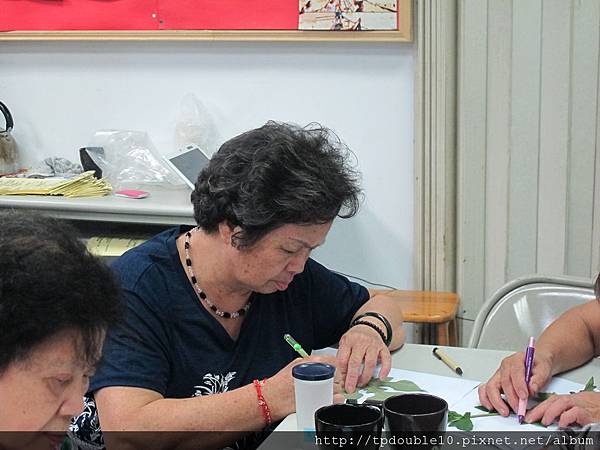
239, 15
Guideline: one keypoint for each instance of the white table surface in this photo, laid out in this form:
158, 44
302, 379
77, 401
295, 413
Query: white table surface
477, 364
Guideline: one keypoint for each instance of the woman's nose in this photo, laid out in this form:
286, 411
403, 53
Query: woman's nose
296, 265
73, 402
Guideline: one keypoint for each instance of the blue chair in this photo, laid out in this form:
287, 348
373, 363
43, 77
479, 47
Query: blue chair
525, 307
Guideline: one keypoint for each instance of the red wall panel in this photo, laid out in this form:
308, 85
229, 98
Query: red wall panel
148, 15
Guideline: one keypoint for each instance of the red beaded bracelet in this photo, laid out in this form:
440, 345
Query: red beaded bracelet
262, 403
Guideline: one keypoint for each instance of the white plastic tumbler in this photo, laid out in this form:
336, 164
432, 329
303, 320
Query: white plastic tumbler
313, 388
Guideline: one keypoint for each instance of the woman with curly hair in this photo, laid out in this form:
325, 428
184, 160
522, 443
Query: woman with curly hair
202, 348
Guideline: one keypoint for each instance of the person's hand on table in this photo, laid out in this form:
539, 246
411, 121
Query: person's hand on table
509, 380
279, 389
361, 345
580, 408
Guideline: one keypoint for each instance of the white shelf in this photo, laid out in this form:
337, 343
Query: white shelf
164, 207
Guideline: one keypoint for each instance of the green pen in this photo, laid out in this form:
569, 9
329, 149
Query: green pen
290, 340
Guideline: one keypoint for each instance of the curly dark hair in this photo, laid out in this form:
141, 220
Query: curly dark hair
275, 175
50, 283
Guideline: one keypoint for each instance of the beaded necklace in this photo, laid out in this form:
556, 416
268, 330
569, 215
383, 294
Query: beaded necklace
201, 295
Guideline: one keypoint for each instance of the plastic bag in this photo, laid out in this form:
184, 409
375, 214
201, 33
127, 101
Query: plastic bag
195, 126
130, 160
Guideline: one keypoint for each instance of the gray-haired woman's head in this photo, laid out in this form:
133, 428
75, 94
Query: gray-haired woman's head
274, 175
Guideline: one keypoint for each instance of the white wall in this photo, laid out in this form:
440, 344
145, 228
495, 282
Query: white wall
61, 93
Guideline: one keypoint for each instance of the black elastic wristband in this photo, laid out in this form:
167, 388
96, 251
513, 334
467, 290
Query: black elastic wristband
372, 325
386, 323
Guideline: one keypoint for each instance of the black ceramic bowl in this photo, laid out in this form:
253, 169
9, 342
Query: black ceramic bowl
348, 426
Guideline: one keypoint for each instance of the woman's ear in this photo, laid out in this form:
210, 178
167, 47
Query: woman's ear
227, 233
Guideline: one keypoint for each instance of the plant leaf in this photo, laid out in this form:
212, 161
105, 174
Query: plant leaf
453, 416
483, 408
589, 386
464, 423
384, 389
461, 421
541, 396
401, 385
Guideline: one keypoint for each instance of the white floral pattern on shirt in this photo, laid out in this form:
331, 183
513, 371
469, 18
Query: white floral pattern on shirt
214, 384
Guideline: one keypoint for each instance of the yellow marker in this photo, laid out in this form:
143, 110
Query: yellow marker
290, 340
446, 360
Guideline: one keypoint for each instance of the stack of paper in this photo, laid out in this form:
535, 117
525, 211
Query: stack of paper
84, 185
111, 246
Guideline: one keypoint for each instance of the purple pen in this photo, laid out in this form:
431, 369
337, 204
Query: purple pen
528, 365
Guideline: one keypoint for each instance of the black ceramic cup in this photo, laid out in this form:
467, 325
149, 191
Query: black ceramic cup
348, 426
415, 420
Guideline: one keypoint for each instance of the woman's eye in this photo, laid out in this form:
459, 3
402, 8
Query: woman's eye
62, 381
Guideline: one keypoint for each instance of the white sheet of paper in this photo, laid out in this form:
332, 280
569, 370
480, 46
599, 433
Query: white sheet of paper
510, 423
450, 389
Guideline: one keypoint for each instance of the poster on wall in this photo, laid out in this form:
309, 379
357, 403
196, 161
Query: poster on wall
357, 15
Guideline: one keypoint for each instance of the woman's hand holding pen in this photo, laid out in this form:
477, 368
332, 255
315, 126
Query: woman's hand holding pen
361, 345
509, 380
